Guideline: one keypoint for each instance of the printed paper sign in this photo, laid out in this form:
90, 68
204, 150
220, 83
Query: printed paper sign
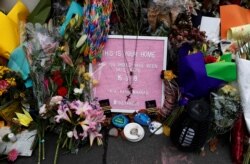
146, 56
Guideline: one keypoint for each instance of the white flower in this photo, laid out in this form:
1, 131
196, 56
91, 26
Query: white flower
43, 110
56, 100
78, 91
70, 134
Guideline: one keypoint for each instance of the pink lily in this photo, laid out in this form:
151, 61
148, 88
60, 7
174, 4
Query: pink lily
93, 135
85, 129
50, 48
90, 124
95, 116
66, 58
62, 113
80, 107
75, 134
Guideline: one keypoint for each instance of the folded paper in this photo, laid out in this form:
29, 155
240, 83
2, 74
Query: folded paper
74, 8
233, 16
193, 80
239, 32
9, 28
18, 13
212, 28
19, 63
223, 70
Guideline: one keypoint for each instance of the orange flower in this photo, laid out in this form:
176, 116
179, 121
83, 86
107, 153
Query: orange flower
168, 75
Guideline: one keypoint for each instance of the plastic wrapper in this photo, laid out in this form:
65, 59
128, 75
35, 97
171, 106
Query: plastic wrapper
243, 66
40, 49
193, 80
238, 134
225, 105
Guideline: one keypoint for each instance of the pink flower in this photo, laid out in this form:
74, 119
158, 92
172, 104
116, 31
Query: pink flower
80, 107
63, 112
3, 84
49, 47
90, 124
43, 110
12, 155
95, 116
56, 100
66, 58
93, 135
75, 134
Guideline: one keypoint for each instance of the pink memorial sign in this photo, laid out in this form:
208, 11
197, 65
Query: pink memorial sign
112, 72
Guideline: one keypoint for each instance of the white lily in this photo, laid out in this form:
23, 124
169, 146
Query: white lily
81, 41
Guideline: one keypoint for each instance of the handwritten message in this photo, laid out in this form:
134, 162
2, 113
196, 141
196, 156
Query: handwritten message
146, 56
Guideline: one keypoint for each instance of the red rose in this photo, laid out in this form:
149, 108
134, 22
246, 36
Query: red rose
75, 81
62, 91
58, 81
210, 59
56, 73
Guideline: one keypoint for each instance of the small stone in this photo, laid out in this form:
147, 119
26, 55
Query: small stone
203, 153
113, 132
166, 130
213, 143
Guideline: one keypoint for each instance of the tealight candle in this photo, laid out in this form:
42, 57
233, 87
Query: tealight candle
12, 137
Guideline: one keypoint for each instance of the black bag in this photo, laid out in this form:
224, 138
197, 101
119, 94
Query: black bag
189, 131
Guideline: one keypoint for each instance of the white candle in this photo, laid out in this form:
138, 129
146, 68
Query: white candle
12, 137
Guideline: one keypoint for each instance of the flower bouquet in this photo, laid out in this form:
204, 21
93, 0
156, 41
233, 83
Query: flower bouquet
225, 105
62, 84
196, 78
75, 121
12, 92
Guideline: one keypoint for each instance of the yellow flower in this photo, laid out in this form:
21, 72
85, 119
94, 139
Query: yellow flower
22, 94
87, 76
95, 82
169, 75
82, 86
3, 70
2, 91
81, 70
229, 89
11, 81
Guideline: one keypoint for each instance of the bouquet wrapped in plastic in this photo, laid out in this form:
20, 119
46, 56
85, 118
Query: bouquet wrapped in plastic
196, 78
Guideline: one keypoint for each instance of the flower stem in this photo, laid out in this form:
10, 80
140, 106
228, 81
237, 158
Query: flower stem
247, 156
57, 146
39, 148
70, 143
43, 146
